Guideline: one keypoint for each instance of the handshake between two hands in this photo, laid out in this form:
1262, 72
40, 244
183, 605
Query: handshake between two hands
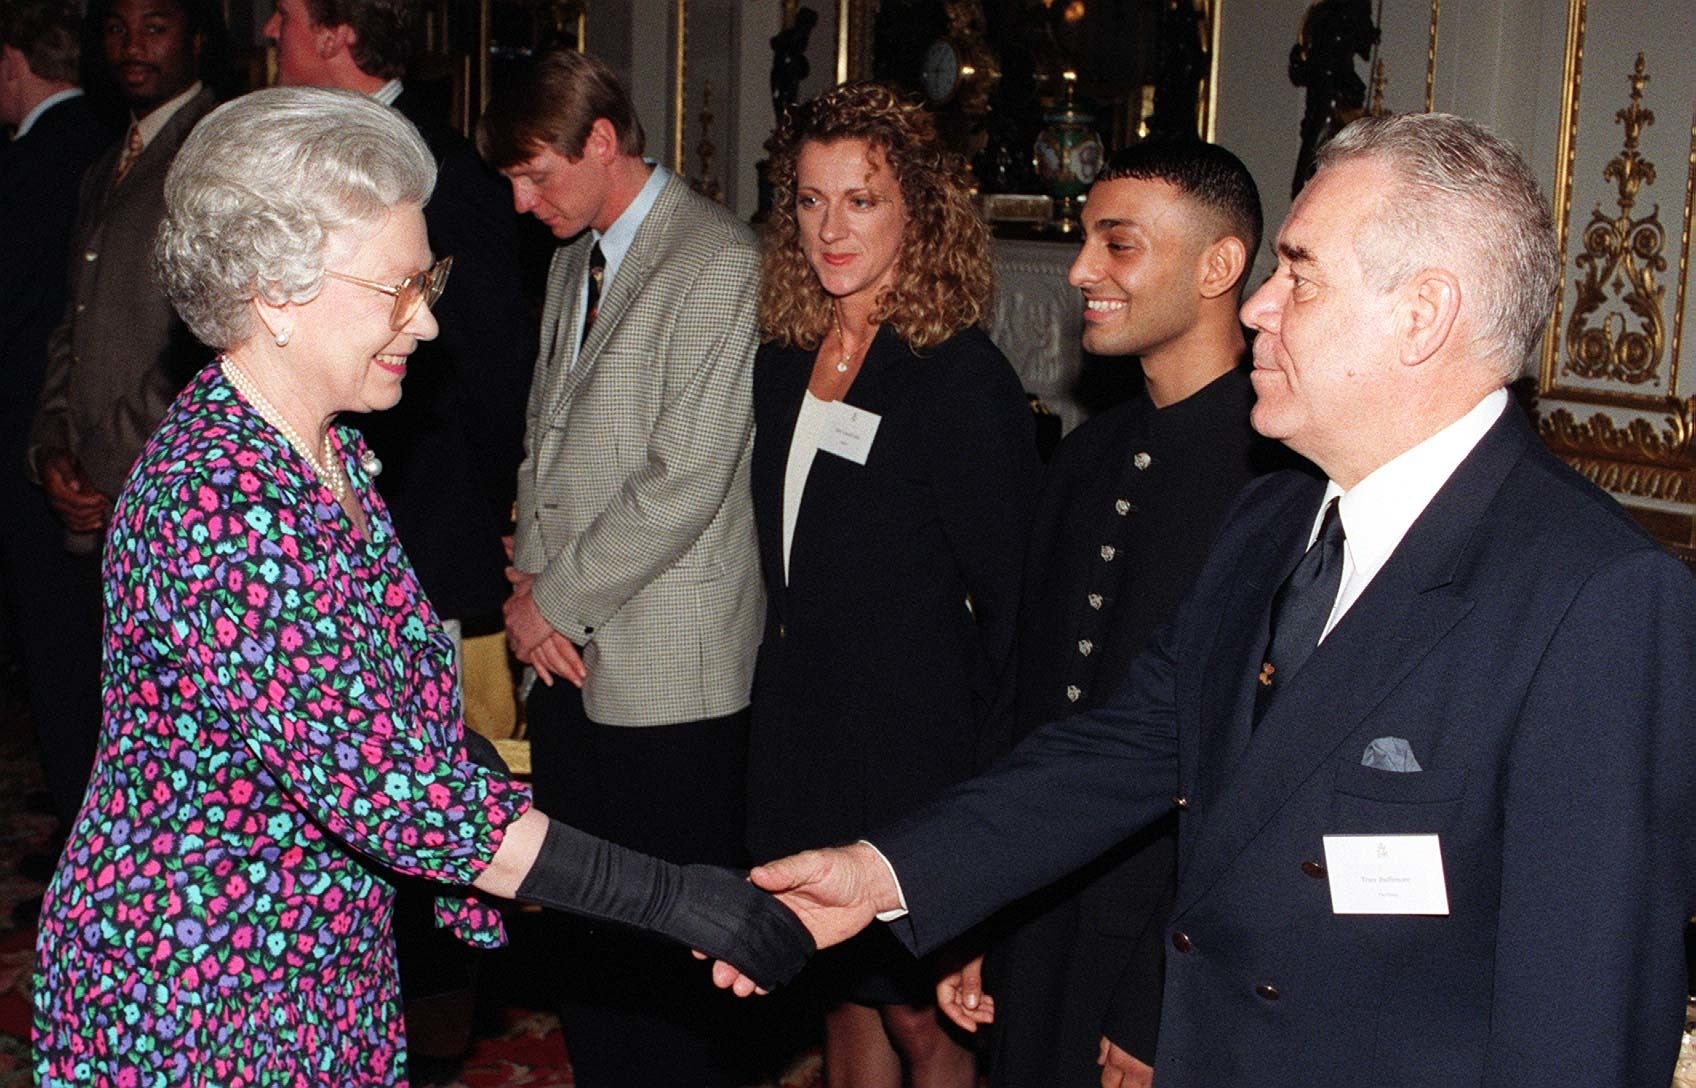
833, 893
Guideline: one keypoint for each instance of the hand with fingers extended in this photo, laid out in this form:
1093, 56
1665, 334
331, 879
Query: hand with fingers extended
960, 996
836, 893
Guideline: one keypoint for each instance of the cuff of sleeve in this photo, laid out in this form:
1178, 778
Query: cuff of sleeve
553, 598
34, 457
901, 912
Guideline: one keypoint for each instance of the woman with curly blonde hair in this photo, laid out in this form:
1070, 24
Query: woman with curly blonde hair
893, 459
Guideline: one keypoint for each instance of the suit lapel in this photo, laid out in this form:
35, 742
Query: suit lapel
1409, 607
564, 297
156, 157
1228, 692
789, 373
620, 295
616, 301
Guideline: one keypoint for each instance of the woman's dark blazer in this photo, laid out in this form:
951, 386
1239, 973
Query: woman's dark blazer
876, 682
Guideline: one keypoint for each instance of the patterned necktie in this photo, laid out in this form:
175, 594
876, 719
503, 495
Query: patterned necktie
592, 304
1300, 608
132, 152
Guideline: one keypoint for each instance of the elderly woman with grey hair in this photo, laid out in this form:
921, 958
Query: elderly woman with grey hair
282, 731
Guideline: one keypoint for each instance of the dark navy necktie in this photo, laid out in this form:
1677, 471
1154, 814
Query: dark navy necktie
592, 304
1300, 608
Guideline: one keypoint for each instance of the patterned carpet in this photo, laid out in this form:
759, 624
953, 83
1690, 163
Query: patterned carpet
514, 1042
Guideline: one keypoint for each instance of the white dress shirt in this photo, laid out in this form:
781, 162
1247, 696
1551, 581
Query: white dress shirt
42, 107
1379, 510
803, 450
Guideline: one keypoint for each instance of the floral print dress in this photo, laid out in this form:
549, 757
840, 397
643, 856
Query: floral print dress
281, 730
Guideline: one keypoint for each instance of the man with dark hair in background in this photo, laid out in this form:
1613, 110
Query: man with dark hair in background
57, 136
119, 354
450, 449
1129, 508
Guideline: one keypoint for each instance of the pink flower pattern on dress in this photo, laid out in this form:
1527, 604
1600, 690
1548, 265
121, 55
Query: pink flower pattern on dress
282, 730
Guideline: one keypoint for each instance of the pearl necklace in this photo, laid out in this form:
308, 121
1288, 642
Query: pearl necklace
842, 338
325, 465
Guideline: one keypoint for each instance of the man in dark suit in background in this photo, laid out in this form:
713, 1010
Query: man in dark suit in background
1427, 726
1131, 502
119, 354
57, 137
450, 449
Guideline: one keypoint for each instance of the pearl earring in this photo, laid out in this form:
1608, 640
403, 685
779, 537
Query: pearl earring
283, 338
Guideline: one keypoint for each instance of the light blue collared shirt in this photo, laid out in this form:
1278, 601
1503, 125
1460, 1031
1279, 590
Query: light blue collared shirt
615, 243
42, 107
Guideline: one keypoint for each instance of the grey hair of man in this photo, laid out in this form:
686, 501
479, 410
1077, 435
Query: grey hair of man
259, 187
1466, 201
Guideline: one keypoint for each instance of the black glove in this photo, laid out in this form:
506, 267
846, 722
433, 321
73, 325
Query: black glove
701, 906
482, 751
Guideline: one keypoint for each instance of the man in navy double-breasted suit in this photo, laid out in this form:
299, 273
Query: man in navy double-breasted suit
1452, 843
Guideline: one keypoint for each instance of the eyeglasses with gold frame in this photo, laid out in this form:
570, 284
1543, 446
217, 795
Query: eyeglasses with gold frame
419, 289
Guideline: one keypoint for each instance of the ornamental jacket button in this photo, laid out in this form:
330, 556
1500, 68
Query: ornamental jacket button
1181, 941
1142, 460
1122, 507
1096, 600
1073, 693
1108, 551
1085, 646
1313, 869
1267, 991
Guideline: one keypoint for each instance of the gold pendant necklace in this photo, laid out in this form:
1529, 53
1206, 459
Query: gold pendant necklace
842, 338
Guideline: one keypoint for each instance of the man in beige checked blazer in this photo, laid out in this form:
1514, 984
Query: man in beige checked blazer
635, 569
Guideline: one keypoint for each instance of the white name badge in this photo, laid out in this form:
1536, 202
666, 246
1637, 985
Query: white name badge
1386, 874
848, 431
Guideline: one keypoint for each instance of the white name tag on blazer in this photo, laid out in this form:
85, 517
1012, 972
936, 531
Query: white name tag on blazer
1386, 874
848, 431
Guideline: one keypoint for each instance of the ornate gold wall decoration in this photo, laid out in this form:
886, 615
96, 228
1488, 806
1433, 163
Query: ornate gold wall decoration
1622, 260
1431, 58
706, 181
1636, 459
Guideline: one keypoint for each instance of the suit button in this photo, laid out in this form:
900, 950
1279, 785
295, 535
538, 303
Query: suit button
1142, 460
1073, 693
1096, 600
1181, 941
1122, 507
1267, 991
91, 256
1085, 646
1180, 801
1313, 869
1108, 551
782, 631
